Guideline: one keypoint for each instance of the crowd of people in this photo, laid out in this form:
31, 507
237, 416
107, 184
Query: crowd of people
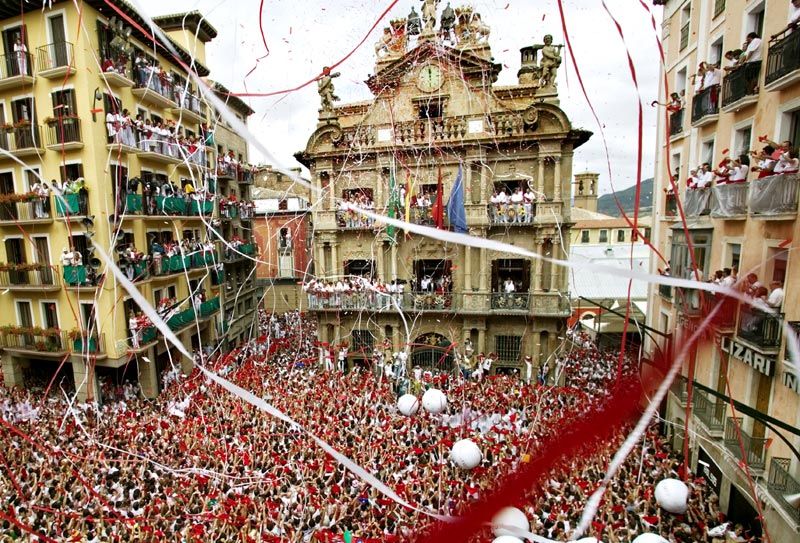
199, 464
364, 292
513, 208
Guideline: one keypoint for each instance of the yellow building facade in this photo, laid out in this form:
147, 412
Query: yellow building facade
64, 75
751, 227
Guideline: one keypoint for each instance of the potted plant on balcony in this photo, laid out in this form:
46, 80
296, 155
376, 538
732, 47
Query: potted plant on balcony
6, 127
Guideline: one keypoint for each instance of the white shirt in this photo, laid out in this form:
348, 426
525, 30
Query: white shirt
711, 77
794, 13
502, 198
516, 197
705, 179
753, 51
775, 298
740, 173
509, 286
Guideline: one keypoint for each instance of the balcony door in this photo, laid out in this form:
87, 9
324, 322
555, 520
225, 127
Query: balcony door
58, 50
8, 212
15, 253
42, 256
50, 315
24, 115
24, 314
15, 45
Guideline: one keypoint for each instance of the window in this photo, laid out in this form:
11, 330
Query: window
675, 164
681, 261
719, 7
518, 270
686, 14
621, 236
431, 110
680, 81
603, 236
584, 236
111, 104
49, 315
361, 268
172, 291
362, 342
755, 20
87, 315
733, 255
24, 314
742, 140
707, 151
64, 103
508, 348
777, 262
158, 294
70, 172
715, 52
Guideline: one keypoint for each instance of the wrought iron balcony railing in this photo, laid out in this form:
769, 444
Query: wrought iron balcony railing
759, 327
29, 276
783, 57
711, 413
37, 209
676, 122
740, 83
705, 103
782, 485
755, 448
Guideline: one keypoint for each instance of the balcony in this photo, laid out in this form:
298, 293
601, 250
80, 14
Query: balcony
710, 413
670, 206
760, 328
82, 342
227, 170
161, 206
163, 266
64, 134
782, 485
29, 277
145, 337
512, 214
55, 60
150, 89
72, 206
23, 139
680, 388
689, 301
740, 86
31, 340
755, 450
774, 197
28, 209
510, 302
121, 78
352, 220
80, 277
697, 202
676, 123
730, 201
783, 61
247, 177
190, 107
162, 152
190, 316
136, 272
16, 70
705, 106
240, 252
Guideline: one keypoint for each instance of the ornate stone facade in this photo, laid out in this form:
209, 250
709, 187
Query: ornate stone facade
437, 114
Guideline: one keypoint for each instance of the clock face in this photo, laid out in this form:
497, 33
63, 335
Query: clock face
430, 78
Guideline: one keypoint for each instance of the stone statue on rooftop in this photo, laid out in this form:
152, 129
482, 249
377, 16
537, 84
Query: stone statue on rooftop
448, 22
413, 23
429, 8
551, 60
325, 89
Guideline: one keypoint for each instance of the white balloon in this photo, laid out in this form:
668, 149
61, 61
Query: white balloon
408, 404
434, 401
511, 517
466, 454
507, 539
672, 495
650, 538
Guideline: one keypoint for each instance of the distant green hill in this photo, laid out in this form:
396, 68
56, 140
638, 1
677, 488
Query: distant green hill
626, 197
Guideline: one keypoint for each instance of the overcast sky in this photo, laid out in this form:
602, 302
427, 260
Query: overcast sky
305, 35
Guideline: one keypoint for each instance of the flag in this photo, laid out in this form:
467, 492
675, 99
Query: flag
394, 205
456, 212
437, 211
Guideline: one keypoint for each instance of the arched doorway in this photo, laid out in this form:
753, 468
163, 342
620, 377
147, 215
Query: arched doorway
432, 351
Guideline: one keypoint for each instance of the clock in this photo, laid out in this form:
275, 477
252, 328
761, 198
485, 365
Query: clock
430, 78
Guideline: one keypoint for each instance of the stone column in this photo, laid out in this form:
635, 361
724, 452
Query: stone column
85, 377
148, 378
12, 371
555, 271
319, 259
468, 269
536, 349
484, 273
187, 364
394, 261
557, 180
379, 259
538, 269
334, 271
540, 177
482, 341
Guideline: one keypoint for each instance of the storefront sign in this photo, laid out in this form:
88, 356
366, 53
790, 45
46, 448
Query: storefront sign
789, 378
707, 468
748, 355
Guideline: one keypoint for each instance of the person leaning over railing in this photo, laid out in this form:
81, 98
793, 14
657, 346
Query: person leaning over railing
794, 19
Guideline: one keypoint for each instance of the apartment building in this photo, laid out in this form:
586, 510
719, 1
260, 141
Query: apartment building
68, 78
751, 226
440, 133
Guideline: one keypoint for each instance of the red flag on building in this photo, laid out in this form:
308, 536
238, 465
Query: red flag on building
437, 211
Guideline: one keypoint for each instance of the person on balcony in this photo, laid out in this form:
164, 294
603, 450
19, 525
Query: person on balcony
112, 127
751, 49
706, 176
766, 164
528, 199
731, 60
697, 79
787, 163
794, 19
516, 202
21, 52
66, 257
775, 298
712, 76
739, 169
